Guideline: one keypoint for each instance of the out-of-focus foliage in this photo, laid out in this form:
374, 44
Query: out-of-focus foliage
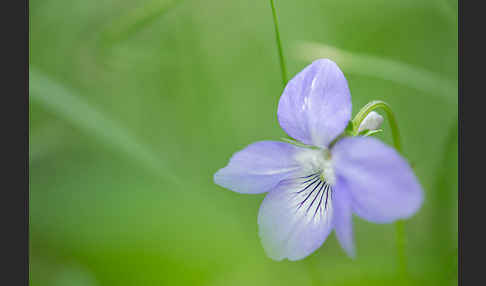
135, 104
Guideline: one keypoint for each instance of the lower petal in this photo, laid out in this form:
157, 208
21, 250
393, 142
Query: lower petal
343, 218
381, 183
295, 218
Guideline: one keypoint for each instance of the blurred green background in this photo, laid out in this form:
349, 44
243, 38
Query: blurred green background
134, 105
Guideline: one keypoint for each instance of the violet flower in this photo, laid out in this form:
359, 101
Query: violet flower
315, 188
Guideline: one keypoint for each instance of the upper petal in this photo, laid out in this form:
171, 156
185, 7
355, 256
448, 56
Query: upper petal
259, 167
294, 221
315, 106
381, 183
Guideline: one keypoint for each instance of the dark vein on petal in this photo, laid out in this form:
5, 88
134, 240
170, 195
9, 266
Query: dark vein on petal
317, 179
315, 197
327, 194
309, 175
310, 193
310, 179
320, 203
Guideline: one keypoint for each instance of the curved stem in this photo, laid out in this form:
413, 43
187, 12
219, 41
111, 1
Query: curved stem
283, 69
399, 225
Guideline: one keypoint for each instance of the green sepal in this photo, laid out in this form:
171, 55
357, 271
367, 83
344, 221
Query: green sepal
299, 144
368, 132
349, 130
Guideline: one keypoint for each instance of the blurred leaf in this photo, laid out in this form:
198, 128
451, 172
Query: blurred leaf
445, 193
69, 105
48, 271
449, 9
129, 24
377, 67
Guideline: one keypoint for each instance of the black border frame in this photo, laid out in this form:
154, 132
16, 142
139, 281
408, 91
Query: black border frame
14, 209
16, 80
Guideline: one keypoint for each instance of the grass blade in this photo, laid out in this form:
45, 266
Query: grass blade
134, 21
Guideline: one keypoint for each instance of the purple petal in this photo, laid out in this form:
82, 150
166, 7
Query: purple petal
315, 106
258, 168
382, 185
343, 218
291, 224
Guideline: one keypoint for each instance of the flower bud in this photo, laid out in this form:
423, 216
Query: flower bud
372, 121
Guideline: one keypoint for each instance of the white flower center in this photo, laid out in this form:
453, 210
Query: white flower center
317, 161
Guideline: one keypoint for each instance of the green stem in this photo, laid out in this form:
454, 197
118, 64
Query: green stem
401, 245
399, 225
283, 69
